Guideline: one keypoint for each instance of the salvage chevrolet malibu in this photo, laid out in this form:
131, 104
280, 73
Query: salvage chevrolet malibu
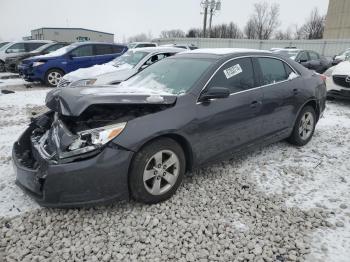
138, 139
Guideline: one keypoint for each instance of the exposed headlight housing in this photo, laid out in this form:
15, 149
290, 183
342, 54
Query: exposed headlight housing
84, 82
90, 140
38, 64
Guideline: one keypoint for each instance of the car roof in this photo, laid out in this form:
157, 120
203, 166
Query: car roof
158, 49
90, 42
142, 43
225, 51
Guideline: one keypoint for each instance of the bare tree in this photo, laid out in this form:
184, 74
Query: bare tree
314, 26
284, 35
263, 22
250, 29
176, 33
194, 33
139, 38
230, 30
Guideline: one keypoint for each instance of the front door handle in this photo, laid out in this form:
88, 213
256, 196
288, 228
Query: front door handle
295, 91
255, 104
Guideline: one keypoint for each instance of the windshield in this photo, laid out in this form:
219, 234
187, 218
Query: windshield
130, 58
5, 46
132, 45
171, 76
62, 51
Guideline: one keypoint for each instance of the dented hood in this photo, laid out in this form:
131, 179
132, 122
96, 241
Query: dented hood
74, 101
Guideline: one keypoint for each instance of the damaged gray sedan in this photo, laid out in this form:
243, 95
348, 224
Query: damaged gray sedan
102, 144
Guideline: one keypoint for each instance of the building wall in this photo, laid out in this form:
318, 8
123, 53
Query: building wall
338, 20
71, 35
325, 47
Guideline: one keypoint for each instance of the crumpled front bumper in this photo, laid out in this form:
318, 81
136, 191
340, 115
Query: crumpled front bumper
99, 179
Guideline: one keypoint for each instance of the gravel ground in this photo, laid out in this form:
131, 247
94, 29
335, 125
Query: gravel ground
278, 203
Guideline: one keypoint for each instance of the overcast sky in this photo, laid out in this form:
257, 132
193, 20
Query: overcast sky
125, 18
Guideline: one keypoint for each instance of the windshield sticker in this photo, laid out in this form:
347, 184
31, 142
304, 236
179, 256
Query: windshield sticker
233, 71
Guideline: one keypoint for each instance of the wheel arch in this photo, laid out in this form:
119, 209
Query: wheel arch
181, 140
57, 68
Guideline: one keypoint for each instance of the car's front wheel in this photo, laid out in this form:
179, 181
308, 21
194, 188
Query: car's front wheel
304, 127
53, 77
157, 171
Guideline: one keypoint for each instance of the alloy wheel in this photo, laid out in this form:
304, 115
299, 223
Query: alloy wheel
54, 77
306, 126
161, 172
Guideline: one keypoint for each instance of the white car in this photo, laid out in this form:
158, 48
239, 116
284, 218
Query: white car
141, 45
341, 57
338, 80
183, 46
16, 48
119, 69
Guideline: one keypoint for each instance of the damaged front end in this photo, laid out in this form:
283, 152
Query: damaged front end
67, 160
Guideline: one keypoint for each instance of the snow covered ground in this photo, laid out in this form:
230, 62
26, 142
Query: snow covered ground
314, 179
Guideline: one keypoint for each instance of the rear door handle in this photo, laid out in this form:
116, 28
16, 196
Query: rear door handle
255, 104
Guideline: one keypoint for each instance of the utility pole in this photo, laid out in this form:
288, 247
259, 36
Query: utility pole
205, 6
213, 6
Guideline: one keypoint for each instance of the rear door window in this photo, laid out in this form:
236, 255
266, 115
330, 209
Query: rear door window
103, 49
86, 50
236, 75
272, 71
303, 56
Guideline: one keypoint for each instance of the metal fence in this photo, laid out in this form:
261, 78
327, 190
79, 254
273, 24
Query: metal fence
325, 47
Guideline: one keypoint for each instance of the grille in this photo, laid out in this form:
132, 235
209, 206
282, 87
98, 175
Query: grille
342, 80
63, 83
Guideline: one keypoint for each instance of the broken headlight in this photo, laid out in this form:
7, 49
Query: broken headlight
84, 82
92, 139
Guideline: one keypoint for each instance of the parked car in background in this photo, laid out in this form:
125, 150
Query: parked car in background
119, 69
3, 43
11, 63
20, 47
338, 80
139, 138
50, 68
341, 57
183, 46
309, 59
141, 45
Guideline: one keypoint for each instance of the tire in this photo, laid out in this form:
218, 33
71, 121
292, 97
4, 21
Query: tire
150, 186
304, 127
53, 76
2, 66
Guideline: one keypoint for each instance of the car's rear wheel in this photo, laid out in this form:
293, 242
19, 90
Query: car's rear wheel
157, 171
2, 66
304, 127
53, 77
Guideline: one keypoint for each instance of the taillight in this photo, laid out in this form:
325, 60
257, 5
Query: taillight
323, 77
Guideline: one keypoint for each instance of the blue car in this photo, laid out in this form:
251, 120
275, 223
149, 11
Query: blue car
50, 68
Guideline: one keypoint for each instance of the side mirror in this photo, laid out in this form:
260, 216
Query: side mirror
215, 93
71, 56
302, 61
